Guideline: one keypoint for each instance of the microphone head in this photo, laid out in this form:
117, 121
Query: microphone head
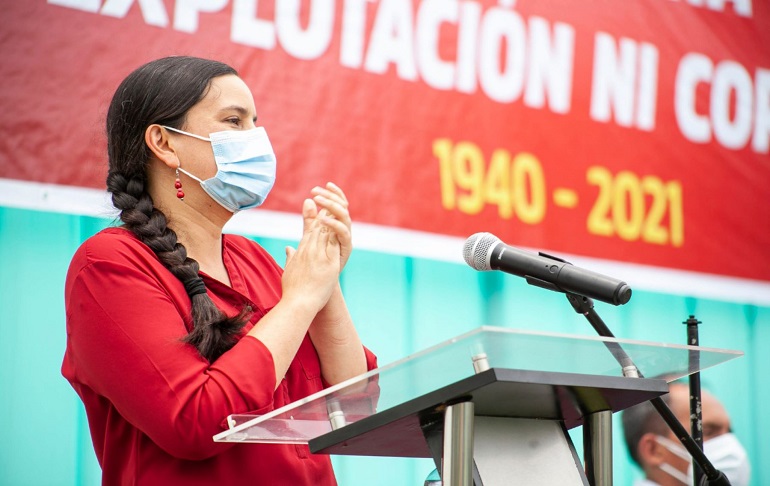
622, 294
476, 250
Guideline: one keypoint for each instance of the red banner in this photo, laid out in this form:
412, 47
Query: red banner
635, 131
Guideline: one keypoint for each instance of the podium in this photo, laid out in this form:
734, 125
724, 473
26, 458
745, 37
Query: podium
492, 406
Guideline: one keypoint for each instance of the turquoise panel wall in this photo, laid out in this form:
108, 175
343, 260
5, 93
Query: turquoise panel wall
401, 305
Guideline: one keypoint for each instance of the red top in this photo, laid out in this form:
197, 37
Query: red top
153, 403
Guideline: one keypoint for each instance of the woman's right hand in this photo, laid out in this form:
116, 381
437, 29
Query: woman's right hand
312, 270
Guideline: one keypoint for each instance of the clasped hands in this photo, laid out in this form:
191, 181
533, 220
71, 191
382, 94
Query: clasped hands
313, 268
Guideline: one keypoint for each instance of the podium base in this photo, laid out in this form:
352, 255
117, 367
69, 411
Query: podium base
510, 451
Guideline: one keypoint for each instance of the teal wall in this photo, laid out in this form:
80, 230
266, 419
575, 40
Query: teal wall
400, 304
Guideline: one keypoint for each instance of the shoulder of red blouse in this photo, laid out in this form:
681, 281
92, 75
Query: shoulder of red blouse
125, 323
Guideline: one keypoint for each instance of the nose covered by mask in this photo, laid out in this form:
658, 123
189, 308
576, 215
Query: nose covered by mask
246, 167
725, 453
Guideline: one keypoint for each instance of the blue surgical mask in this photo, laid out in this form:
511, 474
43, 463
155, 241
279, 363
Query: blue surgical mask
245, 167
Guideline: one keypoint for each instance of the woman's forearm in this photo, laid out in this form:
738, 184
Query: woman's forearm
336, 341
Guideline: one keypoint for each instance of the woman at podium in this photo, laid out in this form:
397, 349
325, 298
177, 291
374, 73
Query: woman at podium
173, 325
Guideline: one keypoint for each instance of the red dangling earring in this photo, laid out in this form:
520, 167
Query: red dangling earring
178, 185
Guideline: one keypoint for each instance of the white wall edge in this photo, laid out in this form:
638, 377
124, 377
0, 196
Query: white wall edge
390, 240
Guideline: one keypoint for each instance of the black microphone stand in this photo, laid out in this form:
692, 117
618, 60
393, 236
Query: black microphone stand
712, 476
696, 417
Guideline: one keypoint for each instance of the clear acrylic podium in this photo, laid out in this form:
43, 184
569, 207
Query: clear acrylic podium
492, 406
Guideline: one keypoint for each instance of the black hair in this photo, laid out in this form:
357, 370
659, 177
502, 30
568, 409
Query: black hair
643, 419
639, 420
162, 92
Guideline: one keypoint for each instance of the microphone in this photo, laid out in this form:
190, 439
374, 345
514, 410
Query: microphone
485, 251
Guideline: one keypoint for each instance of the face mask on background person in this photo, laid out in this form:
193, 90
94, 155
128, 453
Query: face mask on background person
246, 167
725, 453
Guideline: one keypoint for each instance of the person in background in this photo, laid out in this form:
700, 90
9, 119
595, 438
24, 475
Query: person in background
663, 458
173, 325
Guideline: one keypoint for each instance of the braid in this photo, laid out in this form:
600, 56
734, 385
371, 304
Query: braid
213, 332
162, 92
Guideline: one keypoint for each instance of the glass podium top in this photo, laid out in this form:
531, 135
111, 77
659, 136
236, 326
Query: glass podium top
460, 358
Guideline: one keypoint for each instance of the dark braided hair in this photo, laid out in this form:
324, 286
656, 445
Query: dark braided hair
162, 92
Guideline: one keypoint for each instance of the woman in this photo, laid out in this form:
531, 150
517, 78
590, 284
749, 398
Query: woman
171, 325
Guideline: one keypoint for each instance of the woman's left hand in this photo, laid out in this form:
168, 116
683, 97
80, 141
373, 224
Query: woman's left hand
334, 208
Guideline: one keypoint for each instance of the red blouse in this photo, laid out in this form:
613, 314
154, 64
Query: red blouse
153, 403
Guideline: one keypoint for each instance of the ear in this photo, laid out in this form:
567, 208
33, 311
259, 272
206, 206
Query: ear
159, 142
650, 452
